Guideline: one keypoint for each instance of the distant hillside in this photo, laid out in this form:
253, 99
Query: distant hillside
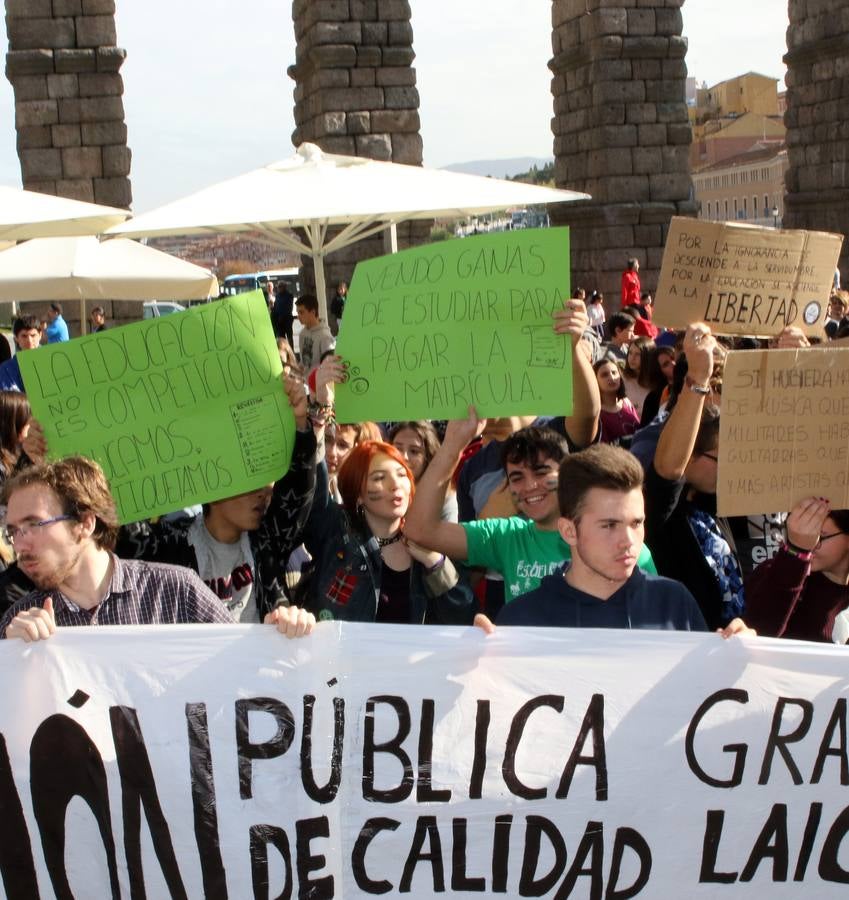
500, 168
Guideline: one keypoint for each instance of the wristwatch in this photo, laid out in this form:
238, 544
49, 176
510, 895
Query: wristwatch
703, 390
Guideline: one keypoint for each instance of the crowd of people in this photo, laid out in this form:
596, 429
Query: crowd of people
603, 518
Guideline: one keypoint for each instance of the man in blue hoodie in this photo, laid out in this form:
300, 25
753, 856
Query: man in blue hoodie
602, 520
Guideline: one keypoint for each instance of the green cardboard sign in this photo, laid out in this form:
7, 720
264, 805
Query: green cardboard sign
431, 330
179, 410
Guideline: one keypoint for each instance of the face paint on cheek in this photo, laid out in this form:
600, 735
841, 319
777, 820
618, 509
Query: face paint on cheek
374, 495
550, 484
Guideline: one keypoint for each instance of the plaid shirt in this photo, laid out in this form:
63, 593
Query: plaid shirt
141, 593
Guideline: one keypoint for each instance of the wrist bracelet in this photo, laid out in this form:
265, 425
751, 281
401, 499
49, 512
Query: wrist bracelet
437, 565
697, 388
798, 552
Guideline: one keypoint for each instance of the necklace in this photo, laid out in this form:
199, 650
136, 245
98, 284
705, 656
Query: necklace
392, 539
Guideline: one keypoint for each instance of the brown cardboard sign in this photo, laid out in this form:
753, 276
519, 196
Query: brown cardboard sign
744, 279
784, 430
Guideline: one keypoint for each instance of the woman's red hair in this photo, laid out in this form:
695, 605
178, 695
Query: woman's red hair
354, 471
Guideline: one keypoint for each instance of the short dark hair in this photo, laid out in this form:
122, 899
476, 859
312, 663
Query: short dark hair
600, 466
26, 323
81, 486
620, 321
841, 519
56, 307
632, 261
527, 445
309, 302
97, 311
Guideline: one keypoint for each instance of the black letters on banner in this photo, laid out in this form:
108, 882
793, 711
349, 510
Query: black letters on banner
739, 750
501, 853
358, 855
593, 721
326, 794
482, 719
628, 837
392, 746
829, 867
460, 881
53, 786
771, 843
535, 828
261, 837
710, 849
424, 788
592, 846
514, 736
273, 747
778, 741
139, 789
837, 721
203, 803
426, 829
16, 864
307, 830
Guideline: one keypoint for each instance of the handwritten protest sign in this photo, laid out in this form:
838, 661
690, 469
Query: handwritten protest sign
431, 330
178, 410
742, 279
784, 430
225, 761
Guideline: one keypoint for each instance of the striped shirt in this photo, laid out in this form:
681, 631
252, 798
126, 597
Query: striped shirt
140, 593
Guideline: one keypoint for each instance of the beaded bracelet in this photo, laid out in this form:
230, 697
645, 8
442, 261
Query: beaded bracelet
798, 552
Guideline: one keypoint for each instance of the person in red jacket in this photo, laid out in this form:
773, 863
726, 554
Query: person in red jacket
631, 283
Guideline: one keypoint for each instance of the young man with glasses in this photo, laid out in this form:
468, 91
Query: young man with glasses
62, 522
803, 591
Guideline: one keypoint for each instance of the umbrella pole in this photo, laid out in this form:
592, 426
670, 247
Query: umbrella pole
390, 239
82, 315
320, 286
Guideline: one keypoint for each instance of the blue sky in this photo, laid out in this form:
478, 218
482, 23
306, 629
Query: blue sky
209, 97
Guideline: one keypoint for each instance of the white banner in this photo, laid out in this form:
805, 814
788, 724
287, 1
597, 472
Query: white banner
220, 761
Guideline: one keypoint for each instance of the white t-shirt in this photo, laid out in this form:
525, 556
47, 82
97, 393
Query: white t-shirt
227, 570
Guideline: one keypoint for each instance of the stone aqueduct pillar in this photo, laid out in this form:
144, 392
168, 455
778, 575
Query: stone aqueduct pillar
64, 65
621, 133
620, 123
355, 94
817, 119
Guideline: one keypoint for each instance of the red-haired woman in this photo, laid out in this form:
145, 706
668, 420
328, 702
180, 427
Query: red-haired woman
364, 568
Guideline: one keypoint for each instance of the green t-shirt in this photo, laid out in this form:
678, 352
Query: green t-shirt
522, 554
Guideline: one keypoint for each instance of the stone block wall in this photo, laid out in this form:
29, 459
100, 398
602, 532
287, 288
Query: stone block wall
817, 180
64, 66
355, 94
621, 134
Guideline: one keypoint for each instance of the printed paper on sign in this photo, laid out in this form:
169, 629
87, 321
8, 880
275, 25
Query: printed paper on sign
437, 328
743, 279
178, 410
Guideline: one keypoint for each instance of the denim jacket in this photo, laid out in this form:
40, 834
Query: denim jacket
345, 583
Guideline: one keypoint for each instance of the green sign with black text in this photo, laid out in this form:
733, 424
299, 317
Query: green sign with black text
178, 410
432, 330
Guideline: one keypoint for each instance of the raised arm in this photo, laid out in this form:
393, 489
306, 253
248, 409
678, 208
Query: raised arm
678, 437
424, 523
582, 425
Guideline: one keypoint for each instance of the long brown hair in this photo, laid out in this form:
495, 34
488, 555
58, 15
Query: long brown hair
15, 412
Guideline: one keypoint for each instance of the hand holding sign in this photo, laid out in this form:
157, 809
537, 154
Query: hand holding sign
699, 345
35, 624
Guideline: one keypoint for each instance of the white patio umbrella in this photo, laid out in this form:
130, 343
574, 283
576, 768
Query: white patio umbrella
83, 268
28, 214
314, 191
